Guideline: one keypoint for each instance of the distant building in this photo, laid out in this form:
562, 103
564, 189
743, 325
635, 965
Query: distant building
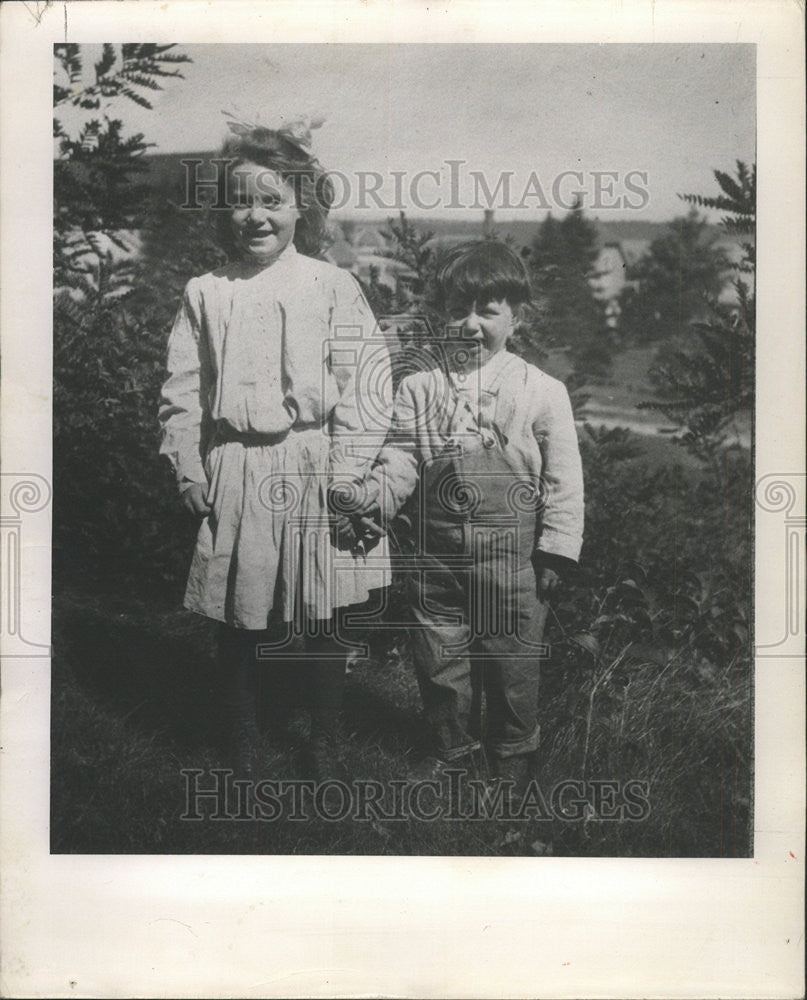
369, 239
366, 253
395, 274
610, 276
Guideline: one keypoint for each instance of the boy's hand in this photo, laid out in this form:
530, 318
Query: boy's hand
355, 499
348, 532
343, 531
194, 500
548, 581
367, 502
354, 514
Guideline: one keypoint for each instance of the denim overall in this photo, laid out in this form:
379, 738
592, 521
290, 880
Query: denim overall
478, 623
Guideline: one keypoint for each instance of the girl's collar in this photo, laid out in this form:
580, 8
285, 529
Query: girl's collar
258, 264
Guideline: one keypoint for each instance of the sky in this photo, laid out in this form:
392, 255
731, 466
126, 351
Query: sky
661, 117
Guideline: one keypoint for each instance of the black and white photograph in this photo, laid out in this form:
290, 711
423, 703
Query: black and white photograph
403, 523
403, 430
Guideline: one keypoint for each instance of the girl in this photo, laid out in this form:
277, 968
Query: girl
277, 386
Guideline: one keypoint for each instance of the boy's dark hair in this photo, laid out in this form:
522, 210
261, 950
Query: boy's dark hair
312, 186
481, 271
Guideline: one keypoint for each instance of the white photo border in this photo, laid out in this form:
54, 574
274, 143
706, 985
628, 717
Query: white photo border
422, 927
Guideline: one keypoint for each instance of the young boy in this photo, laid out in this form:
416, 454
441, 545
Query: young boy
489, 442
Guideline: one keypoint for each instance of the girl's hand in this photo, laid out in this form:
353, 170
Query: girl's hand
371, 533
194, 500
548, 581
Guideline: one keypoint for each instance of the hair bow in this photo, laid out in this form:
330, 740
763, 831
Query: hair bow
297, 130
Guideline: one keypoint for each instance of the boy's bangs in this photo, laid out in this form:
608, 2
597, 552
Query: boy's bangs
468, 288
483, 272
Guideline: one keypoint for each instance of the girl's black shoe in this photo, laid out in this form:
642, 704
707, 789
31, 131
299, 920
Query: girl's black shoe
244, 742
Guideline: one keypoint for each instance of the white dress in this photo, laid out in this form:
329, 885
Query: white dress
279, 381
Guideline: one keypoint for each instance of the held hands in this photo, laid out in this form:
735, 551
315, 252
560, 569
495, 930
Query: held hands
194, 500
352, 533
353, 512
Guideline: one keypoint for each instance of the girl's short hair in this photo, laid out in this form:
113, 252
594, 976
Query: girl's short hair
481, 271
312, 187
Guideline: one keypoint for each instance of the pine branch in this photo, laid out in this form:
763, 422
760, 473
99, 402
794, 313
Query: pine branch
106, 62
734, 191
141, 79
719, 202
140, 64
137, 98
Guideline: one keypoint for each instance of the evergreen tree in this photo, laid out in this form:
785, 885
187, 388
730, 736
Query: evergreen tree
562, 260
381, 297
681, 271
739, 200
113, 511
96, 194
709, 381
416, 249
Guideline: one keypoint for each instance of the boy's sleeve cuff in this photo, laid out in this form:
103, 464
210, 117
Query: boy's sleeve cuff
562, 565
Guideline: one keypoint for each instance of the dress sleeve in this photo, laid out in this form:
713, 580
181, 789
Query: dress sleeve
395, 473
561, 475
359, 362
183, 413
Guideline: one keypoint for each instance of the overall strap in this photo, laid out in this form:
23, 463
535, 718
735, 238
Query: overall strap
506, 401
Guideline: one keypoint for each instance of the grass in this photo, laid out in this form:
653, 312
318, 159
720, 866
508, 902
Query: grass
134, 702
650, 695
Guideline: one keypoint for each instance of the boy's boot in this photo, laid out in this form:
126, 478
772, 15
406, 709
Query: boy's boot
513, 775
516, 771
472, 765
455, 782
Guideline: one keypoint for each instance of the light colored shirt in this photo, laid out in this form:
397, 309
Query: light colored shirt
530, 410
